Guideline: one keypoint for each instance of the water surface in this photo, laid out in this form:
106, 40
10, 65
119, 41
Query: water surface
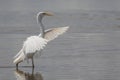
90, 50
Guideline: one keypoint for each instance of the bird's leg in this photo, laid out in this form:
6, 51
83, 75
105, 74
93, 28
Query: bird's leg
32, 71
17, 66
32, 62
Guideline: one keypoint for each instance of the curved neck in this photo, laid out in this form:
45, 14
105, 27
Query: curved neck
42, 28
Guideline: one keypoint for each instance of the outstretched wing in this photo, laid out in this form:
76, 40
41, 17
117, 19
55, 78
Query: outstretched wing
53, 33
33, 44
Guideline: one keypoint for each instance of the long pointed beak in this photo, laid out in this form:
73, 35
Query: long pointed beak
48, 13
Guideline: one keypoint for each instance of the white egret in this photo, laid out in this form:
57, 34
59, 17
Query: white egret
35, 44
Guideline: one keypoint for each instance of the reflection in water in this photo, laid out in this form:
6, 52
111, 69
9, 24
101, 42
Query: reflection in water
21, 75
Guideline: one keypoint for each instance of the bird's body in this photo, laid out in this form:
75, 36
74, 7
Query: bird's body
34, 44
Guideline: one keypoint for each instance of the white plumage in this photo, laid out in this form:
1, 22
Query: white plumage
53, 33
30, 47
35, 44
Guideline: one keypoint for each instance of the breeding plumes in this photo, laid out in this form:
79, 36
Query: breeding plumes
34, 44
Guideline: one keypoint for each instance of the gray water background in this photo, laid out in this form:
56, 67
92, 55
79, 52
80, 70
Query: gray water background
90, 49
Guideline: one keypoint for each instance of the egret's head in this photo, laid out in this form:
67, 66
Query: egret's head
40, 15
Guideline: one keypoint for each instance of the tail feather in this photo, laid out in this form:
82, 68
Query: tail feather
18, 54
19, 57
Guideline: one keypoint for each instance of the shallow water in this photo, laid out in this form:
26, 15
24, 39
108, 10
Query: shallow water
90, 50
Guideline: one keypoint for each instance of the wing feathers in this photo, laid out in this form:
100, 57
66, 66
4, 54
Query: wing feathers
53, 33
